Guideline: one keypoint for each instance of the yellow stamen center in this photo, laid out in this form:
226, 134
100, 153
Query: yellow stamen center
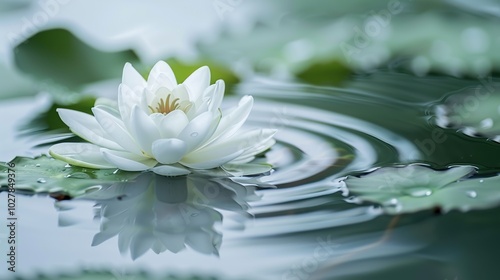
165, 106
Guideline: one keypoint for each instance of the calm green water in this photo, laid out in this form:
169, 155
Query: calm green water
300, 224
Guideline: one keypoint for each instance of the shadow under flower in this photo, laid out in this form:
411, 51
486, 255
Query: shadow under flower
167, 213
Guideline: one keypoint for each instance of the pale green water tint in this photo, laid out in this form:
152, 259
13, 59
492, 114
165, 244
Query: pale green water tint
307, 227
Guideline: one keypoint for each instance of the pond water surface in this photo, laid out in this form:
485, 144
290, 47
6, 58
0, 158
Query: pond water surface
300, 222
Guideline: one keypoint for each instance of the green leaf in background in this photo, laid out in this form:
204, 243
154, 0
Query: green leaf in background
415, 187
430, 36
49, 121
325, 73
58, 56
44, 174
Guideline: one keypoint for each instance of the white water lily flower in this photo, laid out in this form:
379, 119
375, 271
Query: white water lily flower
163, 126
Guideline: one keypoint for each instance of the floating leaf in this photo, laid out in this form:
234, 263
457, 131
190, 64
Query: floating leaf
474, 111
44, 174
415, 187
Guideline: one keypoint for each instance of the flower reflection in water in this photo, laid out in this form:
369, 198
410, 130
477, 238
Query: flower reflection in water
167, 213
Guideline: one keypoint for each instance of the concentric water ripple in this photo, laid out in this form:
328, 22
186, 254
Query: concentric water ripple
316, 147
314, 143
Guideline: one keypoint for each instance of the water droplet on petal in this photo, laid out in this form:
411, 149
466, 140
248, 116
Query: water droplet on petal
393, 201
420, 192
375, 210
116, 171
480, 181
353, 199
78, 175
67, 165
471, 194
37, 165
41, 180
194, 134
394, 204
486, 123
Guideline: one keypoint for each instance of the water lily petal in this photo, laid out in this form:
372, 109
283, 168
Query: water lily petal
162, 75
170, 170
87, 127
215, 94
124, 239
128, 161
181, 92
173, 124
168, 151
158, 247
246, 169
228, 150
116, 129
110, 110
173, 241
101, 237
80, 154
143, 129
103, 101
198, 130
204, 242
197, 82
210, 158
140, 243
232, 121
132, 78
254, 150
127, 98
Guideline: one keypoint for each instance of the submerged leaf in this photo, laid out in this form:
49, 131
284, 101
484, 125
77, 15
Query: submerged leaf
415, 187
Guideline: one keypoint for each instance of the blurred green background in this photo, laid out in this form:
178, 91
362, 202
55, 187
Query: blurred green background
75, 46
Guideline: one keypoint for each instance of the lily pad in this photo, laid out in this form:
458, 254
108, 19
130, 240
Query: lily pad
59, 56
473, 111
416, 187
44, 174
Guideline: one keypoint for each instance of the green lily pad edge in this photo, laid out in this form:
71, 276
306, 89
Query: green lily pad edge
50, 175
417, 187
